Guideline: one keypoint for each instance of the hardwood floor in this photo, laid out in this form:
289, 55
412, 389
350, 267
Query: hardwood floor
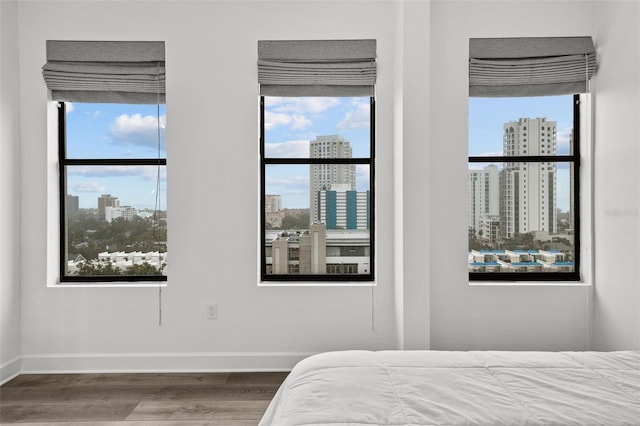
229, 399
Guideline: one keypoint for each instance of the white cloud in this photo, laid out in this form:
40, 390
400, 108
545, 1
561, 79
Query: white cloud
303, 105
290, 149
362, 177
87, 186
316, 105
293, 121
489, 154
68, 107
356, 119
272, 119
291, 183
144, 172
563, 137
138, 130
300, 122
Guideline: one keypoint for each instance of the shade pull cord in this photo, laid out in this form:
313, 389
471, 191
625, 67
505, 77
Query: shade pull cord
156, 219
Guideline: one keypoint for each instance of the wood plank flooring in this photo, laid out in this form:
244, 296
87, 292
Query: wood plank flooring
229, 399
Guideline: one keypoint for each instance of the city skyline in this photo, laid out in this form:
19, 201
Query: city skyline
519, 197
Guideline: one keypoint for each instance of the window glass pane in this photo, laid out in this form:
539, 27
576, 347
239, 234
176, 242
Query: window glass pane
317, 219
98, 131
521, 217
321, 127
116, 220
541, 125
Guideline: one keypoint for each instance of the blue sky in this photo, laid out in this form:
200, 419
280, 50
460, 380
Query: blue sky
487, 116
131, 131
116, 131
290, 125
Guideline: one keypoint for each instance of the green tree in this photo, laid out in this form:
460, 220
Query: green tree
98, 269
296, 221
142, 269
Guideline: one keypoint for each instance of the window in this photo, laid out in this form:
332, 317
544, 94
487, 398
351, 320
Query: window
317, 160
111, 158
317, 191
112, 161
524, 138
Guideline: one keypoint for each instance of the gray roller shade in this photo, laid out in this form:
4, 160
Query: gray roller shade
317, 67
535, 66
106, 71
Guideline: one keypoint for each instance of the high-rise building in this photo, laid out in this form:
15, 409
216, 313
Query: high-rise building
73, 205
323, 176
484, 200
104, 201
343, 208
273, 213
273, 203
528, 198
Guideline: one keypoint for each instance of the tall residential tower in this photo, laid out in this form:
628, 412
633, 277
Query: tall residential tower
484, 202
323, 176
528, 198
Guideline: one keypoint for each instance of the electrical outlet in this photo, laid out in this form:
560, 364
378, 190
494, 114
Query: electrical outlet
212, 312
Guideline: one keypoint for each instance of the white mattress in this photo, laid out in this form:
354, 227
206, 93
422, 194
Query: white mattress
460, 388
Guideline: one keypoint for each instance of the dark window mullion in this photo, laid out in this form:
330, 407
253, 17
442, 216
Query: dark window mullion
288, 161
524, 159
576, 185
114, 162
263, 188
62, 183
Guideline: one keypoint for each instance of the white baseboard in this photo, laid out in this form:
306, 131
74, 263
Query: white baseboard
160, 362
10, 369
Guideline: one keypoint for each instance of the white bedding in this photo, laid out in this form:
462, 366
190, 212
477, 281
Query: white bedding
460, 388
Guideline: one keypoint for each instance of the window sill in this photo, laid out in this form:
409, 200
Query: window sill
114, 284
529, 284
316, 284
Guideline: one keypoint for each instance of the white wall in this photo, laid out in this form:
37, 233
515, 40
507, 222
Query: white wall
9, 193
422, 298
212, 102
617, 188
481, 317
412, 181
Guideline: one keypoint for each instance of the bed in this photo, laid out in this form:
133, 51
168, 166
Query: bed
460, 388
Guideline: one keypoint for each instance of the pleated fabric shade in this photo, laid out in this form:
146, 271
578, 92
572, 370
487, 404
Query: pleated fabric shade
532, 66
106, 71
317, 67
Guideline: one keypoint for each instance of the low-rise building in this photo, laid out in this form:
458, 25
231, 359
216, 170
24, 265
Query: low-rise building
519, 261
318, 251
